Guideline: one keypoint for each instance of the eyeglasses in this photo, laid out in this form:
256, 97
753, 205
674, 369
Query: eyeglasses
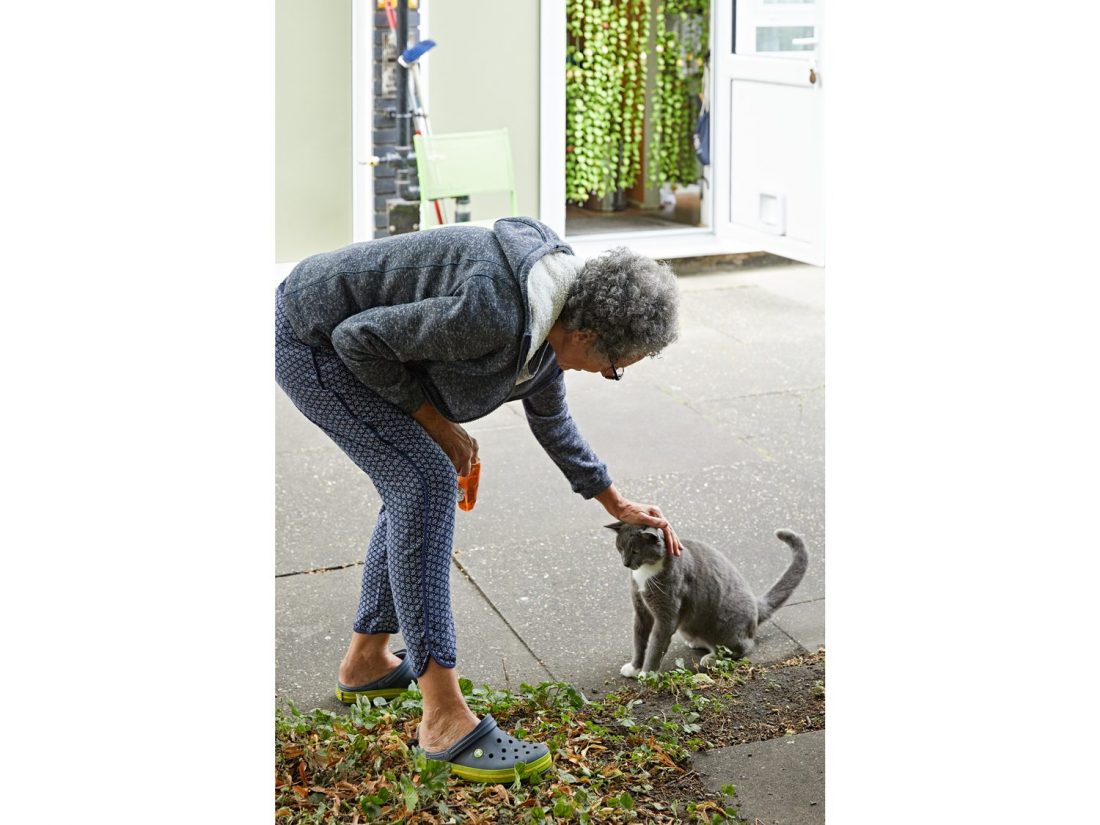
616, 372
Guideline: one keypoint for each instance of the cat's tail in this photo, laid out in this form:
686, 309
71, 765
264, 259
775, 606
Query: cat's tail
782, 589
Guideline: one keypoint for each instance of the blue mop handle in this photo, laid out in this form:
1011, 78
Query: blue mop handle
415, 52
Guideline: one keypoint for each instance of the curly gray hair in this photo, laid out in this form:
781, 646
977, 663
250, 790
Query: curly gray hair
630, 301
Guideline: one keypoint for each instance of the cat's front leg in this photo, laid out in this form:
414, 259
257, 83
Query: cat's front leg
659, 639
643, 623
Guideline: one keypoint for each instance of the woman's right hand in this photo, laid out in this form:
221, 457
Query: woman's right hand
459, 445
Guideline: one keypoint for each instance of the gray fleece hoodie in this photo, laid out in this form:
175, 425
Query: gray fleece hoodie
443, 316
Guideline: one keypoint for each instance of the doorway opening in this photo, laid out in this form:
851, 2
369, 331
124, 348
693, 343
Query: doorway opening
637, 143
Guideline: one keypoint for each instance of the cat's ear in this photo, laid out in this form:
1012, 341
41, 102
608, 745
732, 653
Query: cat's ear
653, 531
617, 526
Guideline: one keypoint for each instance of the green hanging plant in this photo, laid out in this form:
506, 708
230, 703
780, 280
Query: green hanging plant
682, 30
605, 95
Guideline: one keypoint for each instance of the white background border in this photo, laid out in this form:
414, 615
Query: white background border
962, 449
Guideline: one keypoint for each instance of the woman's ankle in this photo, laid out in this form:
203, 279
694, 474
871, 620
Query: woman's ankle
442, 728
363, 666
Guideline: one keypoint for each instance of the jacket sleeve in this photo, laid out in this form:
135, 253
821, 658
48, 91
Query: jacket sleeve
378, 344
554, 428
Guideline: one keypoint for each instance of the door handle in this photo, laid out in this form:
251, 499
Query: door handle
813, 77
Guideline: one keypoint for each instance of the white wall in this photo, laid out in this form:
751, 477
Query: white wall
484, 74
313, 117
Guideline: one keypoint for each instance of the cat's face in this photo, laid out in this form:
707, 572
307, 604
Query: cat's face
638, 545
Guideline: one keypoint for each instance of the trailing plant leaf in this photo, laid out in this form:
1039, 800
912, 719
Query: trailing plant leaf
682, 30
605, 81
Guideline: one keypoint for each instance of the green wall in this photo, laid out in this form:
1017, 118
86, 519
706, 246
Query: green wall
484, 74
313, 127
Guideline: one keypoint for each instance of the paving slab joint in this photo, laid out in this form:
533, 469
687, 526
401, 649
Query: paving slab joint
503, 618
319, 569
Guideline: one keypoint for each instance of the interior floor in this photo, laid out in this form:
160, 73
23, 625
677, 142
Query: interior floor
686, 213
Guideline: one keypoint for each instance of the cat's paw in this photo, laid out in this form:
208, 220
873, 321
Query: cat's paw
629, 671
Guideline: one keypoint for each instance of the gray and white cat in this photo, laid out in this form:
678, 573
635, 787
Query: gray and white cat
699, 593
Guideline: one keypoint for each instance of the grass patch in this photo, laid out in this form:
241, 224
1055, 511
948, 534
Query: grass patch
624, 757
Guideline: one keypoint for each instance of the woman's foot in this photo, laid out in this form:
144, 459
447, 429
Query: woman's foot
439, 731
364, 667
447, 718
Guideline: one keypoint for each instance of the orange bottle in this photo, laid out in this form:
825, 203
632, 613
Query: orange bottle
467, 485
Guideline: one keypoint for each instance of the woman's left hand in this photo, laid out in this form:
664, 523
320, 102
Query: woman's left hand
649, 515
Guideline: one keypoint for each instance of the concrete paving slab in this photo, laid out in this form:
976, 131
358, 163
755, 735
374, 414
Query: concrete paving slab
646, 431
804, 622
313, 616
504, 417
799, 283
750, 314
786, 427
521, 493
778, 782
704, 364
801, 450
798, 364
804, 450
803, 284
325, 509
293, 431
788, 411
568, 597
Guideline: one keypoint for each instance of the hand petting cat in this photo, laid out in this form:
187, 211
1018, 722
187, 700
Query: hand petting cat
646, 515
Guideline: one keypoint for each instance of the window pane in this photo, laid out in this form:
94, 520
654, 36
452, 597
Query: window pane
778, 38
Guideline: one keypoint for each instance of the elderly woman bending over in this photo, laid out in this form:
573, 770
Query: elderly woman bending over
388, 346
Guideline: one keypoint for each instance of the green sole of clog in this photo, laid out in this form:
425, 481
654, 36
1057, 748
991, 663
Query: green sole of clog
348, 697
526, 771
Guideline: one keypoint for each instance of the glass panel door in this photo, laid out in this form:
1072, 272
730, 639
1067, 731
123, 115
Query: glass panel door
775, 28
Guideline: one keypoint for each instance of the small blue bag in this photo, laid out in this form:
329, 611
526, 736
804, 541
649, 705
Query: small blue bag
702, 137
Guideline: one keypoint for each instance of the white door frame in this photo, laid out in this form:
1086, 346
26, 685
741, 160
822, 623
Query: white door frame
552, 40
362, 119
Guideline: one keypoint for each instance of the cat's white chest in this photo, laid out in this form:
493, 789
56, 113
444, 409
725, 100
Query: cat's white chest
647, 571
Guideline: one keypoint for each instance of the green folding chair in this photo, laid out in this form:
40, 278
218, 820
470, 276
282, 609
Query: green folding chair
463, 163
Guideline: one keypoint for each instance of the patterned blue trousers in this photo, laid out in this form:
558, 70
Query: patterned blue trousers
406, 576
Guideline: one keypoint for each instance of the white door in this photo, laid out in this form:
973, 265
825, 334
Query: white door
767, 112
